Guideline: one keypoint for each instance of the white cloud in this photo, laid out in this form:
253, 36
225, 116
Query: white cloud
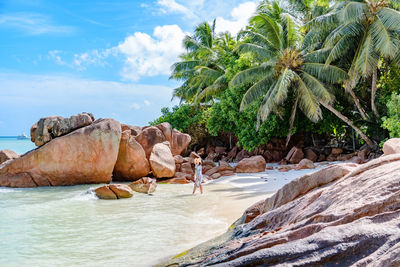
147, 55
147, 103
33, 24
135, 106
170, 6
240, 18
54, 54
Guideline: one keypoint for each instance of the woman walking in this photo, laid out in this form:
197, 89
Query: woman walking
198, 176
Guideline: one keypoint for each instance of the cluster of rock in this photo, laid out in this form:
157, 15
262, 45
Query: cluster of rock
81, 150
144, 185
344, 215
276, 151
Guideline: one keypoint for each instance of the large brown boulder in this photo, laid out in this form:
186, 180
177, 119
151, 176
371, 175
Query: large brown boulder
162, 162
114, 191
166, 129
85, 156
51, 127
295, 155
149, 137
132, 163
7, 154
253, 164
180, 142
135, 130
334, 219
391, 146
310, 154
144, 185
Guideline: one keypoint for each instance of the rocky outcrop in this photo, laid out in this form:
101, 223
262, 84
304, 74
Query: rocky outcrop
344, 215
166, 129
114, 191
162, 162
49, 128
7, 154
149, 137
295, 155
144, 185
85, 156
251, 165
132, 163
310, 155
180, 142
392, 146
135, 130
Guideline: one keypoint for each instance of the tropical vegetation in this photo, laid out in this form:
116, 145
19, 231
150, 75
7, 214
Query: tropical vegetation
312, 66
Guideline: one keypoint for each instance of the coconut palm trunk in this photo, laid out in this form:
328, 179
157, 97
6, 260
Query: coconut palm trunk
292, 117
373, 92
348, 122
358, 105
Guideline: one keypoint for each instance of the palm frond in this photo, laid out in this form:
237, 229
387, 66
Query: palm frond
317, 88
328, 73
256, 91
260, 51
390, 18
382, 39
308, 102
368, 58
272, 28
251, 75
278, 93
353, 11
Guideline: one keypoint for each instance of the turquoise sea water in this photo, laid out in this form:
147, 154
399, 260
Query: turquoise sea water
66, 226
19, 146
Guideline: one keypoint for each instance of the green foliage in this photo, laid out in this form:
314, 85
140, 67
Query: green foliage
294, 55
392, 121
225, 116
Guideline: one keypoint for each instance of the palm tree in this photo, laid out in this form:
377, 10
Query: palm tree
368, 29
287, 66
199, 68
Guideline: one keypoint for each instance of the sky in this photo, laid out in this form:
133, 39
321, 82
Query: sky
111, 58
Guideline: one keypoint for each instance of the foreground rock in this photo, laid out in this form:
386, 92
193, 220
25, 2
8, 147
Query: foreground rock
7, 154
132, 163
48, 128
114, 191
339, 216
162, 162
253, 164
144, 185
85, 156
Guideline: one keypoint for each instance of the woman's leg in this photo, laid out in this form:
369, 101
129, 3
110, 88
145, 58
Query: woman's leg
201, 189
194, 188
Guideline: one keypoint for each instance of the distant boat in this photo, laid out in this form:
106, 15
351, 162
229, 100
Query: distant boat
22, 137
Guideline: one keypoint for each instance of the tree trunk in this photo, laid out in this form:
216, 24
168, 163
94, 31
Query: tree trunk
357, 102
373, 92
346, 120
292, 117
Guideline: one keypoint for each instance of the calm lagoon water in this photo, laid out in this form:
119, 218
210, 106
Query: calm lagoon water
66, 226
19, 146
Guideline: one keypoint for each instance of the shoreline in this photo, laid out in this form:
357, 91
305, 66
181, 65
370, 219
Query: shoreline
239, 192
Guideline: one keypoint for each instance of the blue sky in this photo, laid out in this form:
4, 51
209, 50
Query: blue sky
111, 58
